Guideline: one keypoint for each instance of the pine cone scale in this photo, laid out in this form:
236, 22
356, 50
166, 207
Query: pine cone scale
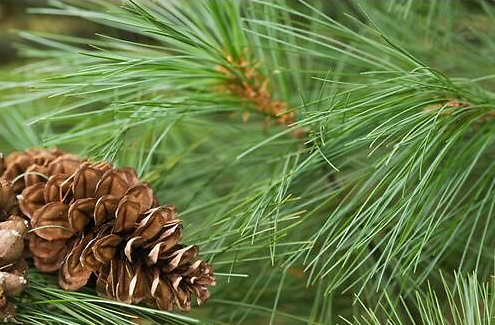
105, 208
161, 292
32, 198
57, 188
164, 243
80, 213
51, 221
104, 248
127, 213
112, 183
73, 275
143, 195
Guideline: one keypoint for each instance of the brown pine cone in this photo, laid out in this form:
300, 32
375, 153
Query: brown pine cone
13, 268
102, 221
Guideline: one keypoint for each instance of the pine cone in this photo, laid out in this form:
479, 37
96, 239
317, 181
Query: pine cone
13, 268
102, 221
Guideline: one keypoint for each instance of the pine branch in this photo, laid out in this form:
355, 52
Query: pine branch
393, 181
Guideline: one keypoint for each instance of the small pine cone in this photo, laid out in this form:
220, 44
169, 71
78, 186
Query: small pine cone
13, 268
102, 221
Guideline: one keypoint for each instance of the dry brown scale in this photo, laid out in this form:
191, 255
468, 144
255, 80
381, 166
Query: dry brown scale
91, 219
31, 162
13, 267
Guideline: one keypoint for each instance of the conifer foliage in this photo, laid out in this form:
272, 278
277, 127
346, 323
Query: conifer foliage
332, 160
